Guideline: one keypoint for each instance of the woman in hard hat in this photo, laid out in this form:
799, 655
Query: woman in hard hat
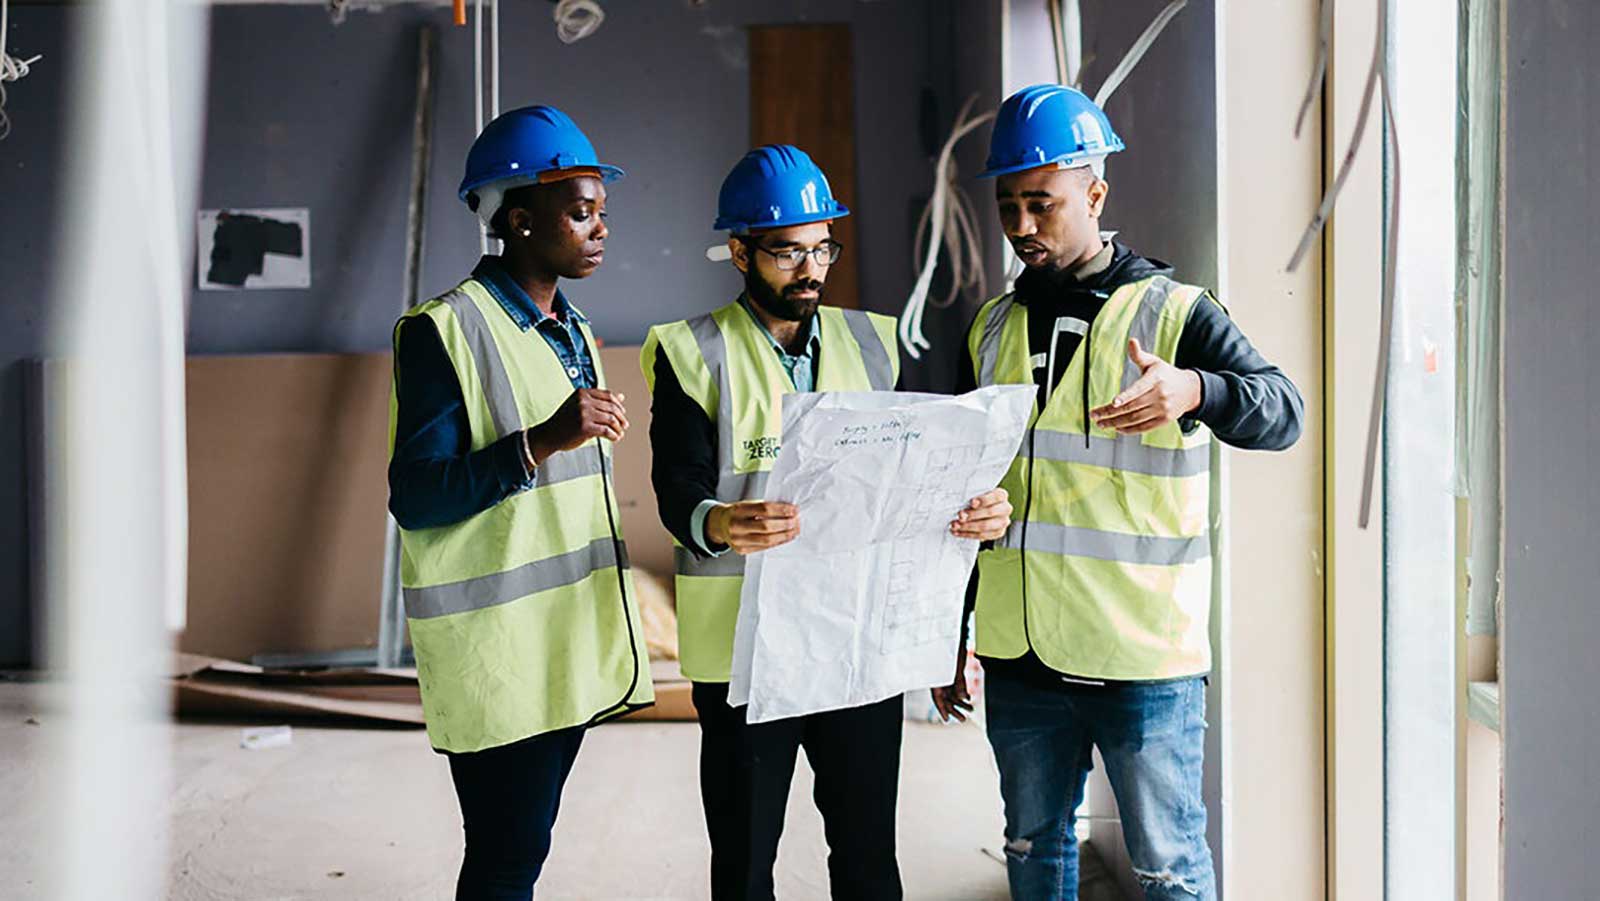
517, 593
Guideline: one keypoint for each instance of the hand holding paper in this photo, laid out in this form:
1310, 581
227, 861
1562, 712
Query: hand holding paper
866, 602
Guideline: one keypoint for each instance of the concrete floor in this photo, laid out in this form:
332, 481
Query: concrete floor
363, 813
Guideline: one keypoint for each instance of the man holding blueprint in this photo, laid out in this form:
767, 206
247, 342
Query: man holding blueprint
720, 385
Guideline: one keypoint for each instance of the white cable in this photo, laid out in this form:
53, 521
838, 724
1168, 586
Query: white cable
494, 58
1072, 33
1137, 51
477, 96
944, 213
1377, 77
1314, 228
11, 68
1324, 34
577, 19
477, 68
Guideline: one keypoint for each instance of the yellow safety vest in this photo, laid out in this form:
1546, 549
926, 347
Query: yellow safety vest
517, 614
1106, 569
725, 362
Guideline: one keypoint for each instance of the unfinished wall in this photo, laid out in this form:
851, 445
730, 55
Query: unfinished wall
1272, 667
29, 183
1550, 712
306, 114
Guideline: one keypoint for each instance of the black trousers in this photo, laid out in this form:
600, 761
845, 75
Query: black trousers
509, 798
745, 772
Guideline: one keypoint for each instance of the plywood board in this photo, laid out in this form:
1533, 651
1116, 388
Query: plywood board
287, 498
649, 543
802, 92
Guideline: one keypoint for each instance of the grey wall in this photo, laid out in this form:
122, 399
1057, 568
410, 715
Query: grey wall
29, 182
967, 45
1551, 708
303, 113
660, 88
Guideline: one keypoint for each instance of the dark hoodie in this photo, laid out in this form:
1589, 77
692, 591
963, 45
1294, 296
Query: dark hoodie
1245, 401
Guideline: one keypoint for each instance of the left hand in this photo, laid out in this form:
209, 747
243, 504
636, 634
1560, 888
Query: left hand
984, 518
1163, 393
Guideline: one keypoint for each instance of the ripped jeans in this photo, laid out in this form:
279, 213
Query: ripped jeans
1152, 739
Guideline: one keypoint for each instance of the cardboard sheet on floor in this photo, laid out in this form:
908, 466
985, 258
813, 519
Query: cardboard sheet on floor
208, 686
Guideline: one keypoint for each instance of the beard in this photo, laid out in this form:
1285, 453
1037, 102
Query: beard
782, 304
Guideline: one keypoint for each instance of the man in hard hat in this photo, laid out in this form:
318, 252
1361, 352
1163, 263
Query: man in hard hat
517, 594
1092, 611
718, 382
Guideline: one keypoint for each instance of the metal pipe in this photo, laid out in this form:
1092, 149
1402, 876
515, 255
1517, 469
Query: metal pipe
391, 613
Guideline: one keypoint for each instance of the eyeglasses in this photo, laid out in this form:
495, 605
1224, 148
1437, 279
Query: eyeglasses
824, 254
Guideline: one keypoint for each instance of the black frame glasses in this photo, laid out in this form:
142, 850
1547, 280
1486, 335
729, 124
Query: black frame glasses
824, 255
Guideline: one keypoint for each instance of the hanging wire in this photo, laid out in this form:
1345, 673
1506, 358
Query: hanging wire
1377, 75
1324, 34
1058, 40
962, 245
1137, 51
948, 218
1380, 383
11, 68
494, 58
1072, 39
577, 19
477, 98
1368, 92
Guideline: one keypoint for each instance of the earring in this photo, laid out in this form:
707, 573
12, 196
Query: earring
527, 233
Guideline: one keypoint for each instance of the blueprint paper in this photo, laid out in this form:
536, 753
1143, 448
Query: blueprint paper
866, 603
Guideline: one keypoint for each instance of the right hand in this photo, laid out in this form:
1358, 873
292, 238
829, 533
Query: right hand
586, 414
953, 700
750, 526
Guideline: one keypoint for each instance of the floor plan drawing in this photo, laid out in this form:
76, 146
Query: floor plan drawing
867, 602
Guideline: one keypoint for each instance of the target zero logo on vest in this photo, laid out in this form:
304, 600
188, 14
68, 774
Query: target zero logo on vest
761, 448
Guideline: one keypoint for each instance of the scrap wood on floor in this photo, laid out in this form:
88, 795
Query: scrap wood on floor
214, 687
209, 686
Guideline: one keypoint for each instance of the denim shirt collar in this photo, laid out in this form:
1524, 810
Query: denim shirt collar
492, 274
808, 329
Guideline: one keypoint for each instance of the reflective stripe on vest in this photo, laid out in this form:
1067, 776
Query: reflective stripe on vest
502, 588
1112, 546
491, 369
724, 362
1117, 547
521, 616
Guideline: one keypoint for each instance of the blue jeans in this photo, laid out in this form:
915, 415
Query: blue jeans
1152, 739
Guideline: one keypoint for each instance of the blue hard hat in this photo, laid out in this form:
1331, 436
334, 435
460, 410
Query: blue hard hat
774, 186
1044, 124
521, 144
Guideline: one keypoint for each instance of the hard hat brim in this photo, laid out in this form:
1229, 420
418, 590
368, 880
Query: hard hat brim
608, 174
839, 211
1070, 161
